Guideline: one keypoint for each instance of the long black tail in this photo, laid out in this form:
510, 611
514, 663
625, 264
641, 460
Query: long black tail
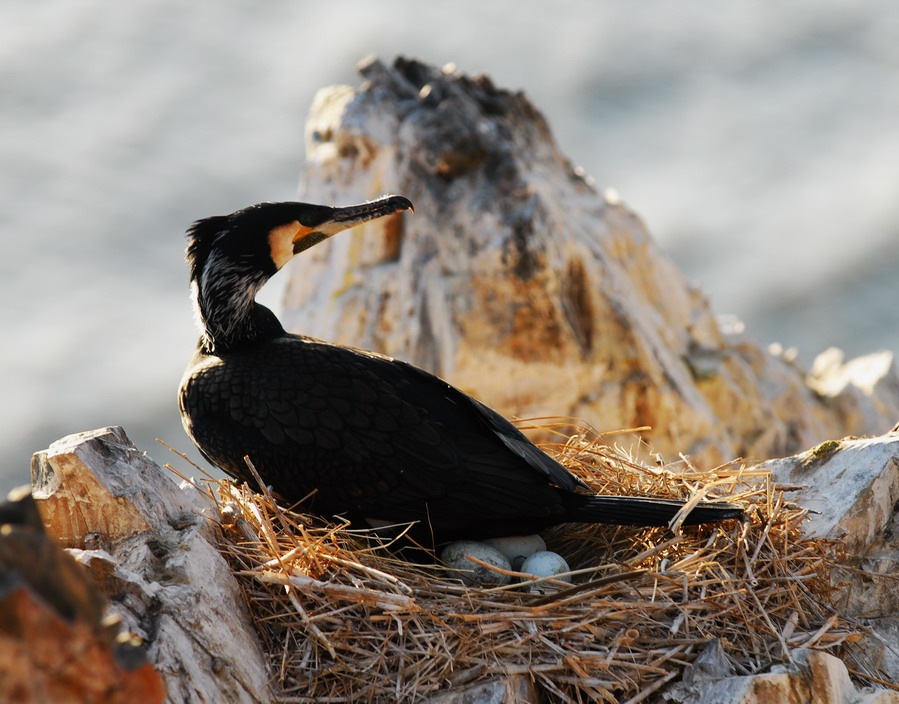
640, 511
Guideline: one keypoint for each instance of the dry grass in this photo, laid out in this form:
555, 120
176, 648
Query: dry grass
345, 621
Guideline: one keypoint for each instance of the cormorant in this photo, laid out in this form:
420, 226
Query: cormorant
368, 436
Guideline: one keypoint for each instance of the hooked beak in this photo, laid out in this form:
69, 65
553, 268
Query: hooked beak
351, 215
317, 223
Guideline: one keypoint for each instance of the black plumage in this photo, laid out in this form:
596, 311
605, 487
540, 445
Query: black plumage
371, 436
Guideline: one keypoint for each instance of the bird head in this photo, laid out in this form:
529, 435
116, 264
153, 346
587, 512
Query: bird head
232, 256
264, 237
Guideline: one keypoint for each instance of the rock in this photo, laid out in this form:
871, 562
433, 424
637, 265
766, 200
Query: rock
867, 387
55, 645
99, 483
710, 664
851, 488
814, 677
155, 556
516, 689
520, 283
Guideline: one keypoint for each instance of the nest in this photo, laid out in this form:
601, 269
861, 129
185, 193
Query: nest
343, 619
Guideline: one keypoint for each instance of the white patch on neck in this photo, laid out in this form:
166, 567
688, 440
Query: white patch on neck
195, 304
223, 297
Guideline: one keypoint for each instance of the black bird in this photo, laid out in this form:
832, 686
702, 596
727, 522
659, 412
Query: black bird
372, 437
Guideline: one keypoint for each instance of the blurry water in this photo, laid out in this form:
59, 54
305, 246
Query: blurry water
760, 142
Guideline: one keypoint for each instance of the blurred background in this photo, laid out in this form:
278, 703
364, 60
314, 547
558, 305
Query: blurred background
758, 140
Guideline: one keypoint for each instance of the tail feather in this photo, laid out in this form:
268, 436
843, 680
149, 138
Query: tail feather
644, 511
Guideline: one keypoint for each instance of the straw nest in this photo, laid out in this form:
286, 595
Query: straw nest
344, 620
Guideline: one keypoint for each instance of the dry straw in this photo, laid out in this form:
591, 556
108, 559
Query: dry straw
344, 620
